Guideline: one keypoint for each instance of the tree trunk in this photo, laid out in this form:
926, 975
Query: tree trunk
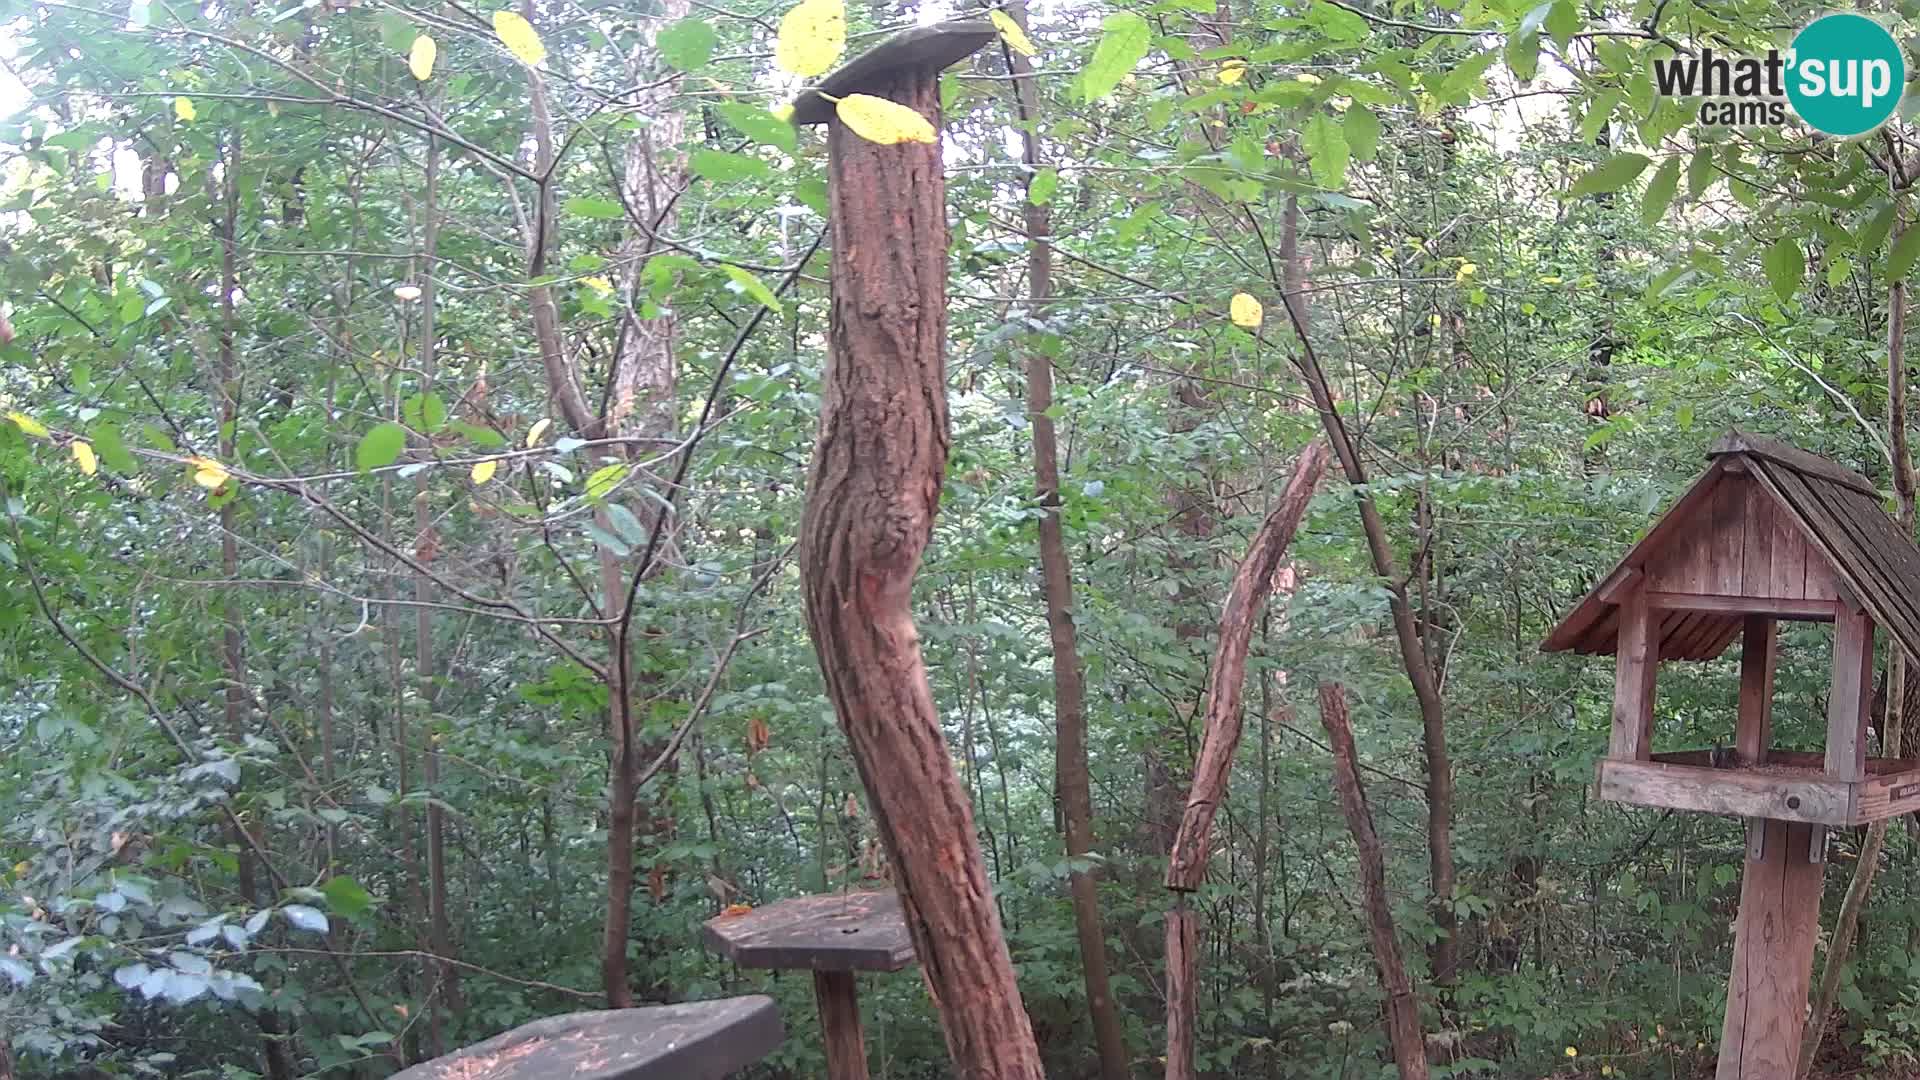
1404, 1034
1071, 780
1187, 861
872, 491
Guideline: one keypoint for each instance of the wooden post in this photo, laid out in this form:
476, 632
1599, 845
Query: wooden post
1759, 651
1772, 957
838, 1000
874, 485
1637, 660
1848, 696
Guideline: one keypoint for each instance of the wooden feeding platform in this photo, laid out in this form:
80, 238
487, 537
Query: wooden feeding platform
698, 1040
832, 935
1767, 533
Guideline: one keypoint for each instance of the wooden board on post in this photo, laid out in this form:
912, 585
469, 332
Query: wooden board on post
1772, 957
697, 1040
1634, 670
873, 488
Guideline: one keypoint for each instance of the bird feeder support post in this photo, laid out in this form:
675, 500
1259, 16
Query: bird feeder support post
837, 997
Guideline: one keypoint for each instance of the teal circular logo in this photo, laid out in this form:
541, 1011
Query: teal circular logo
1845, 74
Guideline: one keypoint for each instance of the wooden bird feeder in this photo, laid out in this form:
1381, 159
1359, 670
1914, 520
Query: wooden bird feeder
698, 1040
832, 936
1768, 533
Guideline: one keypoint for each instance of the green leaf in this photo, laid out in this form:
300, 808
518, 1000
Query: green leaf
1874, 232
759, 125
625, 524
484, 437
302, 917
753, 286
1700, 172
812, 195
1785, 265
604, 479
1905, 250
424, 412
1362, 129
598, 209
722, 167
1660, 191
687, 44
346, 896
113, 449
1459, 84
1563, 21
380, 447
1327, 150
1612, 175
1337, 24
1040, 189
1123, 42
608, 540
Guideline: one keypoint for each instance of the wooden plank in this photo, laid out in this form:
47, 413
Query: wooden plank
1772, 958
923, 48
1849, 696
1888, 795
1672, 628
1837, 524
838, 1000
1636, 663
1759, 653
1728, 630
1739, 442
1726, 543
854, 931
1756, 556
1779, 608
1812, 799
1789, 549
699, 1040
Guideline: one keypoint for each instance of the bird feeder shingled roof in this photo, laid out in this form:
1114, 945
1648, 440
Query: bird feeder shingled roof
1767, 526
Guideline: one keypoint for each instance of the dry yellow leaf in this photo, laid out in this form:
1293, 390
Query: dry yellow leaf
208, 473
1010, 32
518, 36
538, 429
483, 470
1246, 311
420, 58
83, 456
28, 424
598, 284
183, 108
885, 122
1233, 71
811, 37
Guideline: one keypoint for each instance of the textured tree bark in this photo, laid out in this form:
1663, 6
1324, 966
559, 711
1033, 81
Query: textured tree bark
1071, 780
872, 491
1187, 860
1404, 1035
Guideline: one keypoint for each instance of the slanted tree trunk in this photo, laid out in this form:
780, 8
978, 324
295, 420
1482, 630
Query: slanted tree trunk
1187, 862
1402, 1017
872, 490
1071, 780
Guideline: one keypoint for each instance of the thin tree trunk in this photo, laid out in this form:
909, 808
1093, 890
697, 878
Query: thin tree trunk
1187, 862
1413, 652
1848, 922
1071, 780
1402, 1018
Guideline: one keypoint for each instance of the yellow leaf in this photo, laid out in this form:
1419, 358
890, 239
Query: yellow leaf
1010, 31
811, 37
517, 35
28, 424
420, 58
1466, 271
783, 111
183, 108
208, 473
1246, 311
538, 429
483, 470
20, 868
83, 456
1233, 71
598, 284
882, 121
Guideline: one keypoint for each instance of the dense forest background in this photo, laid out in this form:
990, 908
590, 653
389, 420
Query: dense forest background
363, 407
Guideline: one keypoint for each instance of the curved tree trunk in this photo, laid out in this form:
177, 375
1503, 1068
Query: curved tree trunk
872, 492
